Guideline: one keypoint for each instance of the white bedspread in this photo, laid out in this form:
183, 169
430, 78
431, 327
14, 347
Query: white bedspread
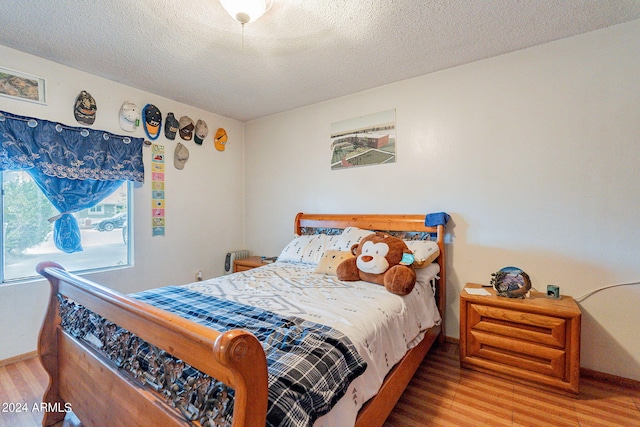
381, 325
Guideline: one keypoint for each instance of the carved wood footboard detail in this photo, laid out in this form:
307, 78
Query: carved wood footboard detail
91, 385
196, 395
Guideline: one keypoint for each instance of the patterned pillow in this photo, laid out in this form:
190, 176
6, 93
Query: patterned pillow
304, 249
330, 261
350, 236
424, 251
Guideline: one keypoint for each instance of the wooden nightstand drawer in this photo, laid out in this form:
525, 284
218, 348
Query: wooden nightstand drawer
534, 340
242, 268
518, 354
536, 328
248, 263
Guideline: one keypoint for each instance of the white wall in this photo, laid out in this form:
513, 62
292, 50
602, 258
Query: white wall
534, 154
204, 202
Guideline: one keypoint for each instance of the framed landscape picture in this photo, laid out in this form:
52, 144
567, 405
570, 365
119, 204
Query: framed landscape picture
364, 141
25, 87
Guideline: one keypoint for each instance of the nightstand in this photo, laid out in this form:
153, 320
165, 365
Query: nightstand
247, 263
534, 341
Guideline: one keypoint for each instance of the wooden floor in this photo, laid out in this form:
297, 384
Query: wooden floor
441, 394
21, 384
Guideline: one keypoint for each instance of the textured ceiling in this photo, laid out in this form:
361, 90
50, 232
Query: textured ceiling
299, 53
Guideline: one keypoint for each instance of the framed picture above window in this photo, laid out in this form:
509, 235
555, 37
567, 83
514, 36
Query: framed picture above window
22, 86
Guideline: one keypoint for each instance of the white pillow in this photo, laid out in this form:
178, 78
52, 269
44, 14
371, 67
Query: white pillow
424, 251
304, 249
350, 236
330, 241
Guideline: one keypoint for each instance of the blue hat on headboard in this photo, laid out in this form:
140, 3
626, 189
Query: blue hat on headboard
436, 218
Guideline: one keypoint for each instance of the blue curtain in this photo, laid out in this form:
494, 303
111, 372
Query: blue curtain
75, 167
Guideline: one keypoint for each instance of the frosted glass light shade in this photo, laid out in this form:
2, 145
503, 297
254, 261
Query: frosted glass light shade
246, 10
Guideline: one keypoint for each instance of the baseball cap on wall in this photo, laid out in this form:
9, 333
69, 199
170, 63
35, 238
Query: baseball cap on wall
180, 156
85, 108
186, 128
220, 139
201, 132
171, 126
129, 116
152, 121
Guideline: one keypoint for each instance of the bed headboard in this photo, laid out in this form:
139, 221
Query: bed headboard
387, 223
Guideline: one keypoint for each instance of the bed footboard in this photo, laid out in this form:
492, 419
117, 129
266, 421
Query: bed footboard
86, 382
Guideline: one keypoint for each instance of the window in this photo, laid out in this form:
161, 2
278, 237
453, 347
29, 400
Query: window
27, 234
96, 210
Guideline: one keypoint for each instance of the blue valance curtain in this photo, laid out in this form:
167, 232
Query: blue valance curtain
75, 167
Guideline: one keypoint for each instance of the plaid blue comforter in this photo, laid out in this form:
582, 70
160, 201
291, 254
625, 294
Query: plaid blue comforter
309, 365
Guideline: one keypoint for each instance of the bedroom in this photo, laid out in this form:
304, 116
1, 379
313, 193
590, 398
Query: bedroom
532, 153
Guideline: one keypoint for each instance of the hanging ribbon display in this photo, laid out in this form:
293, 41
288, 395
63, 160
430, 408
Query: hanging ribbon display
157, 188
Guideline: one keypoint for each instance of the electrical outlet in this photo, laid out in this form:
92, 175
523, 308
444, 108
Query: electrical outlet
199, 276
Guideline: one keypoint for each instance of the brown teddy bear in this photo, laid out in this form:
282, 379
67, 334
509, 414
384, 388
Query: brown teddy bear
378, 260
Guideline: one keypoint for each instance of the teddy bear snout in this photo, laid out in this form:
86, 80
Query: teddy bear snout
366, 258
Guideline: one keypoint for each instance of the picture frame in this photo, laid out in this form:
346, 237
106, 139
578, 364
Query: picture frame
22, 86
364, 141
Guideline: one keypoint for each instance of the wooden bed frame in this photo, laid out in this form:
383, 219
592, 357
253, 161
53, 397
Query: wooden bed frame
99, 394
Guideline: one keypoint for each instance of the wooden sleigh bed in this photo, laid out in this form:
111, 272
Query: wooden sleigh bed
100, 394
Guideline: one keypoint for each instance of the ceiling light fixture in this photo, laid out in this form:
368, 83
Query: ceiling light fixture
245, 11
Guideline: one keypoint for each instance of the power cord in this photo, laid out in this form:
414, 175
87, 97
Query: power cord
588, 294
